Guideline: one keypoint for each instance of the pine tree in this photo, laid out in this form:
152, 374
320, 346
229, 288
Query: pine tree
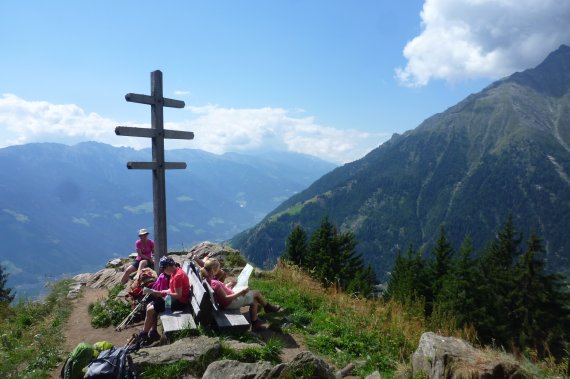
6, 295
458, 295
363, 282
332, 259
296, 246
320, 253
409, 279
441, 265
540, 311
496, 286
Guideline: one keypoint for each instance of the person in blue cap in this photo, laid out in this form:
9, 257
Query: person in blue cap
179, 291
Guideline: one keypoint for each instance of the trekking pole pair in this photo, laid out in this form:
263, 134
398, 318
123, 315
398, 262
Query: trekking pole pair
131, 315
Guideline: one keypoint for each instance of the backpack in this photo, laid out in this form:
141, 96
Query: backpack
77, 360
115, 363
146, 278
162, 282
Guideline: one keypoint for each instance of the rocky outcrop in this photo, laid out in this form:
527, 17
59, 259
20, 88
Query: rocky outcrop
202, 349
208, 249
194, 350
106, 278
448, 357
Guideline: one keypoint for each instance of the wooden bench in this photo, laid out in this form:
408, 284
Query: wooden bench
178, 320
226, 319
206, 310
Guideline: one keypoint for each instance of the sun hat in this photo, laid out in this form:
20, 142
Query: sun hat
166, 261
143, 232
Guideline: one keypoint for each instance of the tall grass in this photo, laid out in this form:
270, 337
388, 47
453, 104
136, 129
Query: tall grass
31, 343
372, 333
375, 335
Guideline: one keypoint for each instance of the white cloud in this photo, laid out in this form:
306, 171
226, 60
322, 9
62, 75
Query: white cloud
468, 39
23, 121
217, 130
182, 93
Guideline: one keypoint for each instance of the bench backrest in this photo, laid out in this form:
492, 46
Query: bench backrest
200, 303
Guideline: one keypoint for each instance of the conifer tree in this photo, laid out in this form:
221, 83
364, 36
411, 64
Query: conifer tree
496, 285
332, 259
458, 295
541, 314
296, 246
6, 295
320, 251
409, 279
441, 265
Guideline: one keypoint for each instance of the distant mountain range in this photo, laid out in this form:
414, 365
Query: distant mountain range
66, 209
504, 150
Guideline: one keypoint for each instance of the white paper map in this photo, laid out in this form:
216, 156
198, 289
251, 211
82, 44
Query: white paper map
243, 278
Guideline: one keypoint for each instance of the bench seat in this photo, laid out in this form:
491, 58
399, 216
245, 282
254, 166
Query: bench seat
177, 321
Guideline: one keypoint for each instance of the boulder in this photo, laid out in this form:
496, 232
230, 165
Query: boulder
304, 365
374, 375
209, 249
105, 278
193, 349
225, 369
115, 263
449, 357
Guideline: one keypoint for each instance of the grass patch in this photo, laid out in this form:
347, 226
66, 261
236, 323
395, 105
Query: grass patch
111, 311
269, 352
373, 334
170, 371
31, 344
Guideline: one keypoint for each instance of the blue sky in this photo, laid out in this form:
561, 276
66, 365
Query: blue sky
328, 78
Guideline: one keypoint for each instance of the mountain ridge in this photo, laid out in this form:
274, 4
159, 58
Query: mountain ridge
67, 209
502, 150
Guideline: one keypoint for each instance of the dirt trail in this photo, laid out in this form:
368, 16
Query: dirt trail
78, 329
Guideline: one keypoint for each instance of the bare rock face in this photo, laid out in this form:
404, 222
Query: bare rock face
449, 357
208, 249
106, 278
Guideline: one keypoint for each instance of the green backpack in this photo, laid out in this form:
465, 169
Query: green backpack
78, 359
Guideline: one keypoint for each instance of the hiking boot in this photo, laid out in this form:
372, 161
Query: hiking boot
257, 325
153, 336
270, 308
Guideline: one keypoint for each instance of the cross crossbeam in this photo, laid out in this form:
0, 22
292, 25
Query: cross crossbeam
158, 166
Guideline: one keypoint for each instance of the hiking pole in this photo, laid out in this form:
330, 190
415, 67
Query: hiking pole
130, 316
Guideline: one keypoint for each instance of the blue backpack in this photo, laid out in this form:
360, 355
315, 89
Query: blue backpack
115, 363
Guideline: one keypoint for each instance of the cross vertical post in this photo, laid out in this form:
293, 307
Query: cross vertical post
158, 165
158, 175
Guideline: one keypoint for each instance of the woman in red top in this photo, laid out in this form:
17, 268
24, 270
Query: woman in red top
179, 291
228, 299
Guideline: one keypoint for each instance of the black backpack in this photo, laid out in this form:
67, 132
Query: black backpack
115, 363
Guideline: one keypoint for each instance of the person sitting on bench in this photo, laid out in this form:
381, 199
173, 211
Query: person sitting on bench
228, 299
221, 275
179, 291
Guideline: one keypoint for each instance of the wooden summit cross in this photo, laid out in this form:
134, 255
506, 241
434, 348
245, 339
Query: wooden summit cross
158, 165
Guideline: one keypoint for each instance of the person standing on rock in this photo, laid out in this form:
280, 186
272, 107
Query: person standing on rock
179, 291
145, 255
